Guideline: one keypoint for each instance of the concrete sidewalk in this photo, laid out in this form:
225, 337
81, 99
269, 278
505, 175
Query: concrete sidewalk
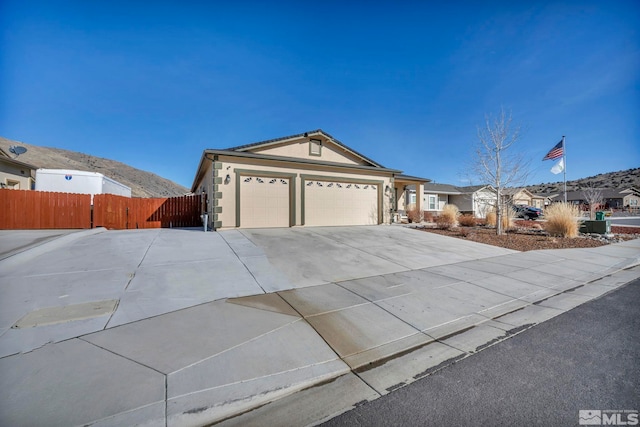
178, 327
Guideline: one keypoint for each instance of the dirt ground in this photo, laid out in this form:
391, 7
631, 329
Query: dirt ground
528, 236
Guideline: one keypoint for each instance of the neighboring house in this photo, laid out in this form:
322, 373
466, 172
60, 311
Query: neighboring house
476, 200
548, 198
15, 174
631, 199
305, 179
611, 198
522, 196
437, 195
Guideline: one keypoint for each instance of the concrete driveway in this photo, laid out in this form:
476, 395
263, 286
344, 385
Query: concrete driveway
319, 255
182, 327
146, 273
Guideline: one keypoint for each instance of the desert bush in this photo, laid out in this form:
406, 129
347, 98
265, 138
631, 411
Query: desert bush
448, 218
428, 216
414, 215
562, 220
467, 220
507, 219
508, 215
491, 219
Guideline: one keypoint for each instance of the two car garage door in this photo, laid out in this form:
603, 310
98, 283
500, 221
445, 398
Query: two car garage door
267, 202
340, 203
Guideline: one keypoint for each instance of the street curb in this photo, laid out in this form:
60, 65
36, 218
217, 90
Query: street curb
29, 253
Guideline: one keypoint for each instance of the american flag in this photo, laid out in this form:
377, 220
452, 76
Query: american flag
555, 152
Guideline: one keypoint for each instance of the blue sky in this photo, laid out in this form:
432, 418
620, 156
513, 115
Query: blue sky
404, 83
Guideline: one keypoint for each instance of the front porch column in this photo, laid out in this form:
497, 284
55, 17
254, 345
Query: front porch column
419, 196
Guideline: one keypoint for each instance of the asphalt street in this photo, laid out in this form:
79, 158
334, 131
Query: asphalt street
634, 221
585, 359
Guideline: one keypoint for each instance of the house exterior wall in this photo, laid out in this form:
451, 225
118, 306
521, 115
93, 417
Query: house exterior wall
537, 202
632, 201
329, 152
464, 202
222, 183
484, 202
13, 176
440, 201
521, 198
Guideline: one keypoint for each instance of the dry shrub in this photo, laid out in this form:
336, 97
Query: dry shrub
467, 220
428, 216
507, 219
562, 220
448, 218
414, 215
491, 219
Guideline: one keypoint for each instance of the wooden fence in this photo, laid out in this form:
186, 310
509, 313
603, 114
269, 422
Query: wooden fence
27, 209
117, 212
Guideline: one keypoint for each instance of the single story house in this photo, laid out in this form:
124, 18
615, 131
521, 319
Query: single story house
476, 200
16, 174
522, 196
306, 179
612, 198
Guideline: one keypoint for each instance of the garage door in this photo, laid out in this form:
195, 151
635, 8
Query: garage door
264, 202
340, 203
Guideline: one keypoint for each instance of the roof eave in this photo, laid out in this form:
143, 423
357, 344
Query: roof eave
267, 157
270, 142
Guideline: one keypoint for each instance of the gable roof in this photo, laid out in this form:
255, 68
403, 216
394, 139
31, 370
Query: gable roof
245, 151
607, 193
474, 188
433, 187
317, 132
6, 158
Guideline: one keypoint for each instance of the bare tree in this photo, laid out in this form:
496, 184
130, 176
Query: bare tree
496, 162
593, 197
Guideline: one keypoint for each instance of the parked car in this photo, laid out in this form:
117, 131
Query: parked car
527, 212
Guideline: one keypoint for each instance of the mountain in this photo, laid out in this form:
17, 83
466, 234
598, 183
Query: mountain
619, 180
142, 183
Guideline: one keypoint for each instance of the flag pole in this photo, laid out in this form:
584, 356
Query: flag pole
564, 160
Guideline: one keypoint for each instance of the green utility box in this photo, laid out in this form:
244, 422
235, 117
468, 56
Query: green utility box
599, 216
600, 227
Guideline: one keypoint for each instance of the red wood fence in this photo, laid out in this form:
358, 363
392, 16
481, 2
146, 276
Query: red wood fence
27, 209
117, 212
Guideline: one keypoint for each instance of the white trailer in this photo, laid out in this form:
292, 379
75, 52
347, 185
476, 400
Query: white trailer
74, 181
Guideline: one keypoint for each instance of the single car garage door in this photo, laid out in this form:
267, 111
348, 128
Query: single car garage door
264, 202
340, 203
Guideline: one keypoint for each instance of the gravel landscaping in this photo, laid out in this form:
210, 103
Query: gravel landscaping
530, 236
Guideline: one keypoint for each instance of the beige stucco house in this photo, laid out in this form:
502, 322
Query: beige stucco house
309, 179
522, 196
15, 174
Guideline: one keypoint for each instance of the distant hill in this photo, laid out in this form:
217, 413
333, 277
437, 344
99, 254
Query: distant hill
620, 180
142, 183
